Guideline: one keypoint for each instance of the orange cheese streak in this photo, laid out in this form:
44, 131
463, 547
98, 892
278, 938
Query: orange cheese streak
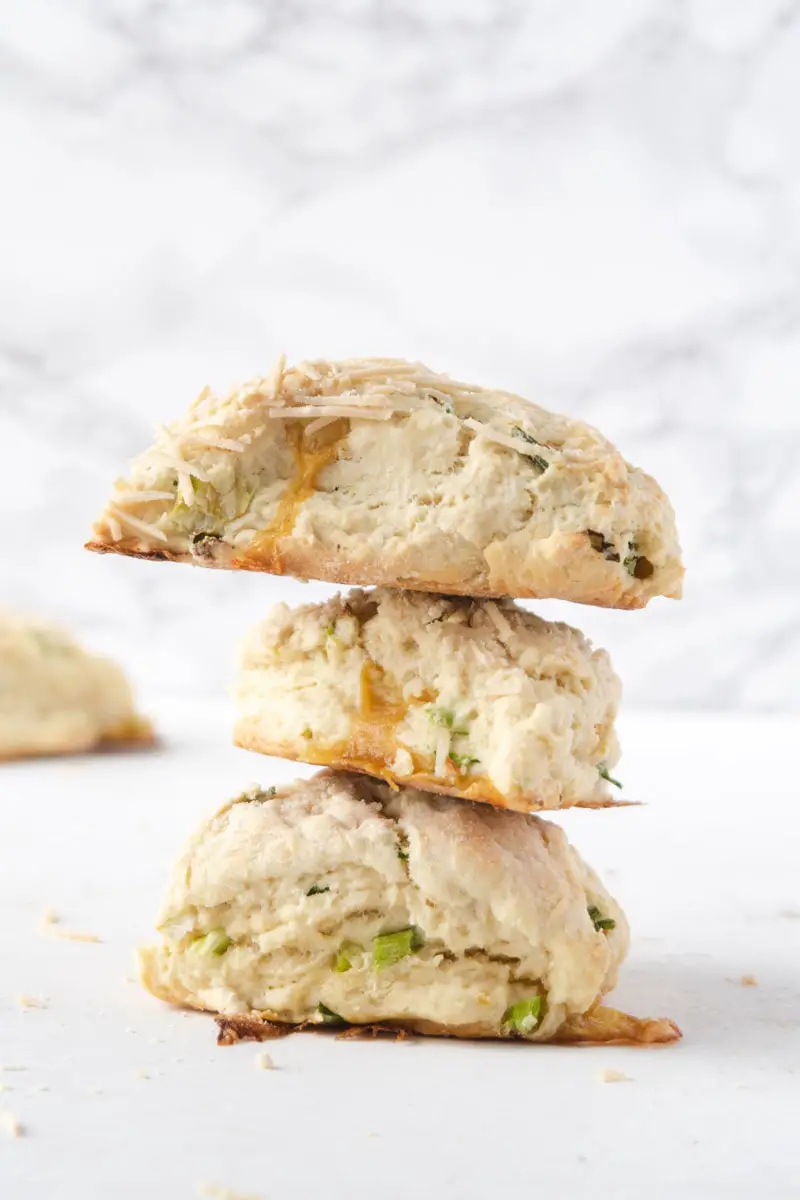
373, 744
310, 459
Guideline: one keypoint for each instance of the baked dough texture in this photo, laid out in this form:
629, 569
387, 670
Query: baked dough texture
336, 899
380, 471
55, 698
474, 698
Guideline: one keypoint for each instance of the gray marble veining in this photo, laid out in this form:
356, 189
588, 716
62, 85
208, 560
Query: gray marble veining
594, 205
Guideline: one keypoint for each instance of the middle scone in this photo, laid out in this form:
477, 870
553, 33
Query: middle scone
473, 698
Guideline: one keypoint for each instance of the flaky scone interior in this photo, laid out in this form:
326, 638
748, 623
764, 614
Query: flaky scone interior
477, 699
338, 901
56, 698
380, 471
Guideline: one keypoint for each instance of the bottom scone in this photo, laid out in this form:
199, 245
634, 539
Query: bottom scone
337, 900
55, 698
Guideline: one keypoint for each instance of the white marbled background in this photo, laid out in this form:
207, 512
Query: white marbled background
597, 205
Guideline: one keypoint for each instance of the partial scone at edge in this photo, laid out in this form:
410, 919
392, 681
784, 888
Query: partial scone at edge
58, 699
336, 900
381, 472
476, 699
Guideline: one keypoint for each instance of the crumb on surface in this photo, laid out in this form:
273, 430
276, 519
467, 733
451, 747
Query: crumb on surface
612, 1076
223, 1193
68, 935
141, 1075
10, 1125
6, 1067
264, 1062
31, 1001
749, 981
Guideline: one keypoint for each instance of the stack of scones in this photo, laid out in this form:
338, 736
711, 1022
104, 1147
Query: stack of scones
410, 884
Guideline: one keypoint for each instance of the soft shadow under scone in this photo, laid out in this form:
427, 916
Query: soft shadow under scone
381, 472
56, 698
337, 900
477, 699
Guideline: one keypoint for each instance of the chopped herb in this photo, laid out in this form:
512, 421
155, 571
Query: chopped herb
445, 718
345, 954
316, 890
463, 761
389, 948
329, 1017
307, 732
330, 630
525, 1015
216, 942
519, 432
203, 544
540, 463
270, 792
602, 771
445, 404
602, 545
601, 923
636, 564
402, 855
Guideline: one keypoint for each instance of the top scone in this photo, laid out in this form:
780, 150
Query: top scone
379, 471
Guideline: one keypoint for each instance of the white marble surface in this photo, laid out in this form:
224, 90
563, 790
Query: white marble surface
122, 1098
594, 205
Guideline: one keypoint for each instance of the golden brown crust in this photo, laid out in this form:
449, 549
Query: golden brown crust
602, 1026
138, 735
247, 738
606, 589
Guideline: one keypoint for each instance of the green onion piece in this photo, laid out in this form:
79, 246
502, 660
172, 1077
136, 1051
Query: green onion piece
525, 1015
307, 732
329, 1017
316, 890
345, 954
445, 718
602, 545
463, 761
216, 942
602, 771
402, 854
389, 948
606, 924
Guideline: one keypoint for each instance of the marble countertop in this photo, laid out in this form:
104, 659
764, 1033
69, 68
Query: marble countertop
597, 206
121, 1096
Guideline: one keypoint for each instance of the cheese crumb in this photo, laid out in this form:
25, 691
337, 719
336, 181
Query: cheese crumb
611, 1076
264, 1062
31, 1002
223, 1193
69, 935
10, 1125
47, 927
749, 981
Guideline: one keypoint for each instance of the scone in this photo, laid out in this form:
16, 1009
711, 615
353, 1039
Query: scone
473, 698
337, 900
380, 471
55, 698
